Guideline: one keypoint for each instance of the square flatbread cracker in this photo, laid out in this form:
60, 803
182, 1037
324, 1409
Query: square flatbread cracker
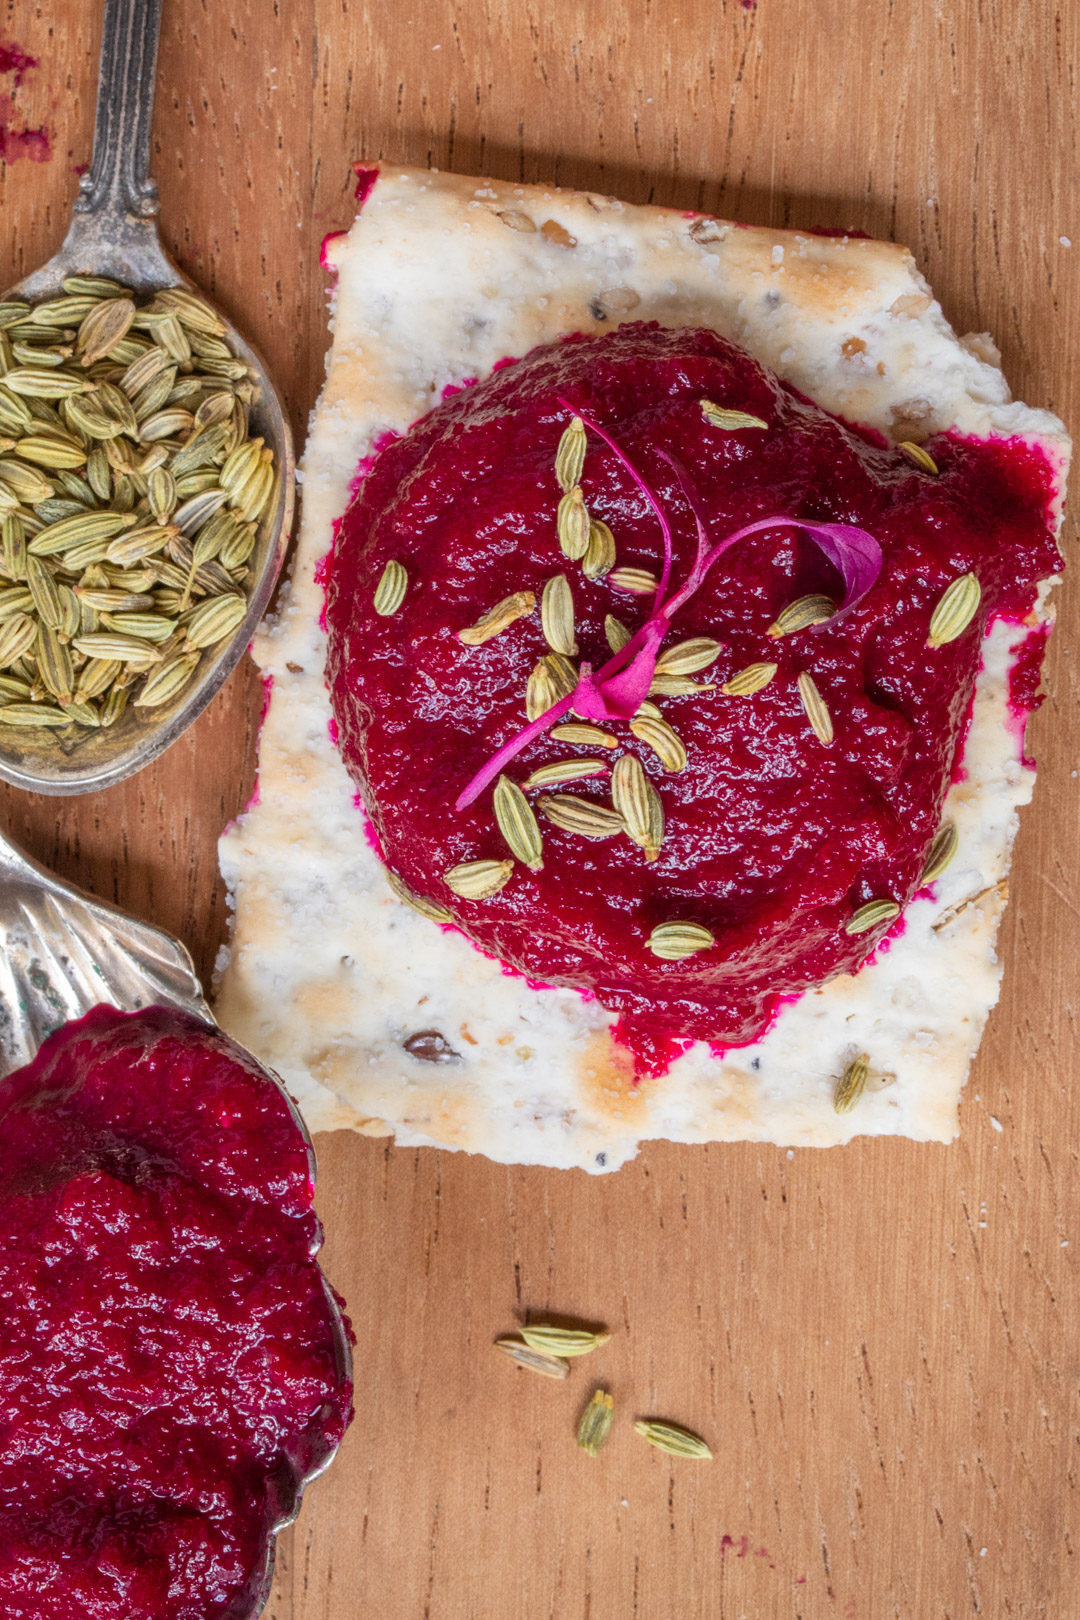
328, 974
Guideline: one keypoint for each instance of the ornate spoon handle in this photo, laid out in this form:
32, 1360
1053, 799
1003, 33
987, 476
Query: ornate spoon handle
115, 212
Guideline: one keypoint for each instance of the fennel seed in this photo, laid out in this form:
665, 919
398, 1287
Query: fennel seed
851, 1085
918, 456
587, 818
801, 614
558, 1341
594, 1425
673, 941
943, 847
717, 416
518, 824
499, 618
672, 1438
871, 915
570, 455
478, 880
816, 709
754, 678
955, 610
557, 616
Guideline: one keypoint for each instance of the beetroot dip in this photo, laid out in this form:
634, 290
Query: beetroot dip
167, 1354
773, 839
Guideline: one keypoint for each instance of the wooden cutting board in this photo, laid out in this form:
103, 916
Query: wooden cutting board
881, 1342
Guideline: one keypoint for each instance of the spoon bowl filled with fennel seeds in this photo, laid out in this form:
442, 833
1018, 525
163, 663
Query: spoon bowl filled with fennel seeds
146, 471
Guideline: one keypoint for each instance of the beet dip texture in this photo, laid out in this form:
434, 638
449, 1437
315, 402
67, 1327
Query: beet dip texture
167, 1362
773, 838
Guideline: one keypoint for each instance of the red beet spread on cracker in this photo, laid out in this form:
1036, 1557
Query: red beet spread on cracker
773, 839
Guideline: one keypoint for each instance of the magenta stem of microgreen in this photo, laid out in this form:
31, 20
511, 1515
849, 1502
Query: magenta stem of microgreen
487, 773
645, 488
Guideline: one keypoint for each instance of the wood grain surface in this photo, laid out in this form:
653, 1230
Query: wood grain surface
880, 1342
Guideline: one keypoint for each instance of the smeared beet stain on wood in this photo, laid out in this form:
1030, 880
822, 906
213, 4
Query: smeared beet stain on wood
16, 61
16, 139
19, 143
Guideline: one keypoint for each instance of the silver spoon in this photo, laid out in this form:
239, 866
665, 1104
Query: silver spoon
113, 232
62, 953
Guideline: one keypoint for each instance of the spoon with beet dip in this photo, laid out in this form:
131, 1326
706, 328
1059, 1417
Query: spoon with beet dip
113, 234
65, 955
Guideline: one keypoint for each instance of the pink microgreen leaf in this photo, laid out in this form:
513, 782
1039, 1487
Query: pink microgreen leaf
622, 685
853, 552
